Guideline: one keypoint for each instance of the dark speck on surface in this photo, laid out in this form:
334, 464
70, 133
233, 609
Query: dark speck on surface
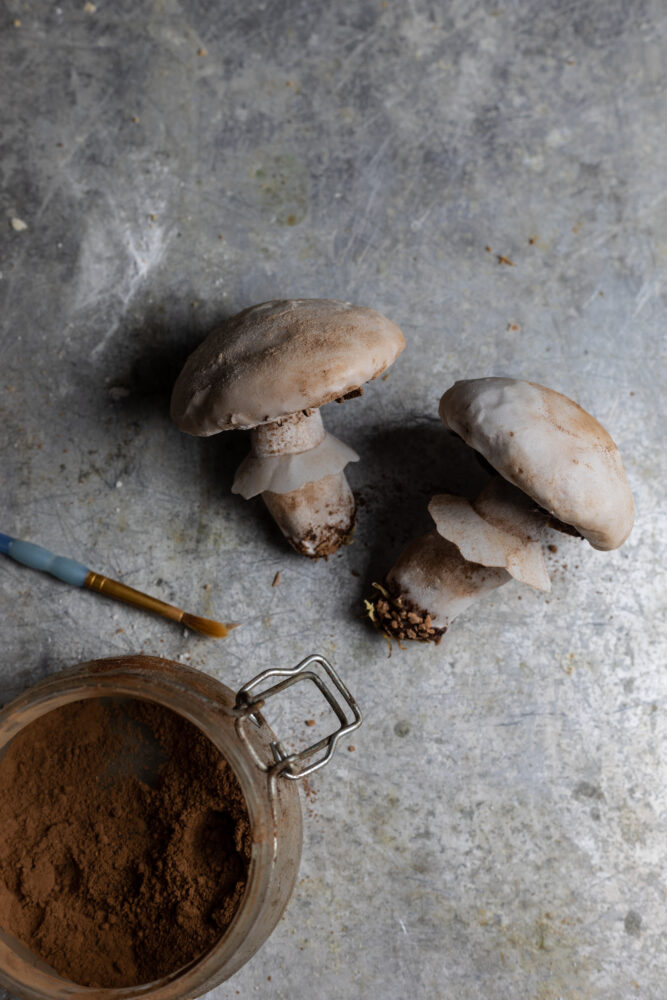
585, 790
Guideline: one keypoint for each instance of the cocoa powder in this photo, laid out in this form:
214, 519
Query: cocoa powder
124, 841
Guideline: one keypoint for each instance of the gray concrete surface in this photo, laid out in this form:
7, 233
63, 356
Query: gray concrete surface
499, 832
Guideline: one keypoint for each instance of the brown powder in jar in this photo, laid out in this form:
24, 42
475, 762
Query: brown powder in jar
124, 842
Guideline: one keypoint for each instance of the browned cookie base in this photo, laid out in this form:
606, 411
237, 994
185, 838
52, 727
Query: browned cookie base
330, 541
317, 518
399, 618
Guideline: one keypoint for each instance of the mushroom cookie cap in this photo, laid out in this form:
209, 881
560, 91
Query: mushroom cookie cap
550, 448
280, 357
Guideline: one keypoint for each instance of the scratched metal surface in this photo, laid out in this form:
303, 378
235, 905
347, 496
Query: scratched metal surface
499, 830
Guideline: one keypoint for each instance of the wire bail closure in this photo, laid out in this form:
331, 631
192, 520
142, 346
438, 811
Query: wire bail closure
247, 705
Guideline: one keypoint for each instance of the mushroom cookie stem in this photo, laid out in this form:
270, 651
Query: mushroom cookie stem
428, 586
297, 433
319, 516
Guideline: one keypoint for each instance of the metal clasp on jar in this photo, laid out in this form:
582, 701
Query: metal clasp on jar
248, 705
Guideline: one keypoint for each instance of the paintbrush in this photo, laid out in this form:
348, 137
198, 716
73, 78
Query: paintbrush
78, 575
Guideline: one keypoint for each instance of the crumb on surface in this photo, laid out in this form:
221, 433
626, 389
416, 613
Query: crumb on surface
276, 579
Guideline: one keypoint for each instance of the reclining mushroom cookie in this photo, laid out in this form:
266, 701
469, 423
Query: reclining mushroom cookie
556, 467
268, 370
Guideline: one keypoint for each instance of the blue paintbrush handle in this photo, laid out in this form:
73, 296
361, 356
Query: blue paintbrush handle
36, 557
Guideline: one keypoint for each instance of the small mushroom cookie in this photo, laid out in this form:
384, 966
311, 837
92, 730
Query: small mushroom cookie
556, 466
269, 369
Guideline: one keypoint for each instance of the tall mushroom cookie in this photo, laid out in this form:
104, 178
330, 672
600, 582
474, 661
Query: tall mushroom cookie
556, 466
268, 370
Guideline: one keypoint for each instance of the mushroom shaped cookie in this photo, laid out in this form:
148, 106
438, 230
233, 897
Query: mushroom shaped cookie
269, 369
557, 466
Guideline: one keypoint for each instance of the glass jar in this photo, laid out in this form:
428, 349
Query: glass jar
265, 771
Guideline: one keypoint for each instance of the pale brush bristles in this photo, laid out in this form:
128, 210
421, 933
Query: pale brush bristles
206, 626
